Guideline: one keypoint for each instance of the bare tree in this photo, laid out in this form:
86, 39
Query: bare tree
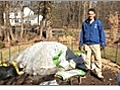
22, 18
113, 20
46, 7
90, 4
1, 13
9, 34
1, 19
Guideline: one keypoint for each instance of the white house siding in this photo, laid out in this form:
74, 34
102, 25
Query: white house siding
35, 21
12, 15
18, 14
27, 12
15, 19
12, 21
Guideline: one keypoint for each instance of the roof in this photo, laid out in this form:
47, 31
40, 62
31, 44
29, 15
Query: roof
14, 9
17, 9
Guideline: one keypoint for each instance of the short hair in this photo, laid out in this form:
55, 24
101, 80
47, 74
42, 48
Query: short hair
92, 9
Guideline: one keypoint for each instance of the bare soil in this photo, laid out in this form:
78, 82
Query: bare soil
110, 72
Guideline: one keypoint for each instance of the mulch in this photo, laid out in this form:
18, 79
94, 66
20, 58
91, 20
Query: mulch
25, 79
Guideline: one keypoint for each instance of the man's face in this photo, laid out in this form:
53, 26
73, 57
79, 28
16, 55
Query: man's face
91, 15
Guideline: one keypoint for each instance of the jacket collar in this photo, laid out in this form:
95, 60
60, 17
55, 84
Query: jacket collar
88, 20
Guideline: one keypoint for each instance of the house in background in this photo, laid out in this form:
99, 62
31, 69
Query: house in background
33, 19
29, 17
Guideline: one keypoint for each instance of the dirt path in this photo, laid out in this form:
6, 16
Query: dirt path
110, 72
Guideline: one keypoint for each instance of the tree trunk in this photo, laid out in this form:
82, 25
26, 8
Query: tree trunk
79, 20
22, 28
9, 33
1, 13
48, 30
38, 13
1, 20
41, 26
46, 13
84, 10
113, 19
90, 4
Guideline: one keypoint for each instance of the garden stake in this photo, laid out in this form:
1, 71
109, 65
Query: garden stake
116, 53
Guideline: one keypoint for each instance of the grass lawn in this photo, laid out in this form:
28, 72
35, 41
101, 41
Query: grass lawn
6, 53
112, 54
109, 53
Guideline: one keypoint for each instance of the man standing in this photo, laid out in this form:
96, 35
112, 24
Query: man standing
92, 39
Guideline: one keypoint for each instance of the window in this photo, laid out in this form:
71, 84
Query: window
28, 22
16, 20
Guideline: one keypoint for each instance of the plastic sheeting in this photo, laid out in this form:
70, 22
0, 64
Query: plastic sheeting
77, 60
67, 74
52, 82
38, 59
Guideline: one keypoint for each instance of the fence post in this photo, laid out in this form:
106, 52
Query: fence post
116, 53
18, 49
1, 58
104, 53
9, 53
72, 44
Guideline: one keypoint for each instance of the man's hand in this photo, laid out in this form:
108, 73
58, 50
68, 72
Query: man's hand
102, 47
80, 48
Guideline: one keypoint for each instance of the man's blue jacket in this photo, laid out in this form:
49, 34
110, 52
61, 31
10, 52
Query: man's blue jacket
92, 33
